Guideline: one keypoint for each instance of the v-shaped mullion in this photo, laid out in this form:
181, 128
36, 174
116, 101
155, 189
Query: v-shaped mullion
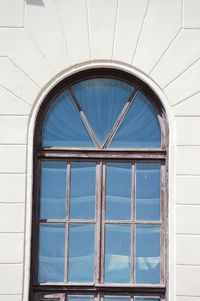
84, 118
120, 118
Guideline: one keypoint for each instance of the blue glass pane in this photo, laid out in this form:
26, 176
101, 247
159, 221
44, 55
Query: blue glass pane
83, 183
147, 254
102, 100
117, 298
51, 253
81, 253
118, 191
80, 298
140, 127
53, 190
148, 191
63, 125
147, 299
117, 254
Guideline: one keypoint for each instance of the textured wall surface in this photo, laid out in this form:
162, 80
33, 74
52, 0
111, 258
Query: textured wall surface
39, 39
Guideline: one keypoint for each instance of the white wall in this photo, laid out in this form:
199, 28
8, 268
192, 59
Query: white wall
41, 41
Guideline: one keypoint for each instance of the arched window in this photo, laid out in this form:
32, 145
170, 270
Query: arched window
100, 191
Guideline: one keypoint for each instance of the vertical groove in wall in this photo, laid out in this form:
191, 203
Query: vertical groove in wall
63, 34
182, 14
88, 27
115, 29
140, 33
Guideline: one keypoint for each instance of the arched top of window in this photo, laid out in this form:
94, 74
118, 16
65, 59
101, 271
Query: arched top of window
102, 110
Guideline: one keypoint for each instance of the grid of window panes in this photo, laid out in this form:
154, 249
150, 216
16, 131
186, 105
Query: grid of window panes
80, 200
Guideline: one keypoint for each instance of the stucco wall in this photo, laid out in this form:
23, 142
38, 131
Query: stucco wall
42, 41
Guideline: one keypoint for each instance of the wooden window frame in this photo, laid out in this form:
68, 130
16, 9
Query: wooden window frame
101, 156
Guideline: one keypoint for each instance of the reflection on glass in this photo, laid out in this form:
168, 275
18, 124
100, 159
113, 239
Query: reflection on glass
117, 298
102, 100
148, 191
147, 299
81, 253
83, 182
147, 254
140, 127
118, 191
63, 125
79, 298
53, 190
51, 253
117, 254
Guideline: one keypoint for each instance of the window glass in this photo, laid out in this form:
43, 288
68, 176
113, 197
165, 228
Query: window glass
81, 253
117, 254
51, 253
147, 191
63, 125
118, 191
53, 190
83, 186
102, 100
140, 127
117, 298
147, 299
147, 254
80, 298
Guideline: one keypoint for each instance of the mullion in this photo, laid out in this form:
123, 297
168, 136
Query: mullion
132, 224
162, 230
120, 118
99, 171
84, 118
67, 220
103, 214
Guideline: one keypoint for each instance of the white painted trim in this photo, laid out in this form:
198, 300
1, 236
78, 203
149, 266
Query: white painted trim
172, 129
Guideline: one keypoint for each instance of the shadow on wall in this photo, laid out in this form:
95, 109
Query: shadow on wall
35, 2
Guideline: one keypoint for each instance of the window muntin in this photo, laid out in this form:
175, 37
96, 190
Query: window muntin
81, 149
70, 240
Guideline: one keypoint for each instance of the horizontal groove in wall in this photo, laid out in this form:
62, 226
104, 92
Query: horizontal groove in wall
188, 265
191, 205
187, 234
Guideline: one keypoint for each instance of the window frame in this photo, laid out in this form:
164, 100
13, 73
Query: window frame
128, 155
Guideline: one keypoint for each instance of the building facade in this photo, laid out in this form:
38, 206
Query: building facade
43, 42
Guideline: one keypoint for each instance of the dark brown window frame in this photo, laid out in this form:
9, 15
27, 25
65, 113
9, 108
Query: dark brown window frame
102, 155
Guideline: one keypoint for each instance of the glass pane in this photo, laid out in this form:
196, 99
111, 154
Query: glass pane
140, 127
80, 298
118, 191
147, 254
117, 254
117, 298
63, 125
81, 253
102, 100
53, 190
147, 299
83, 186
51, 253
148, 191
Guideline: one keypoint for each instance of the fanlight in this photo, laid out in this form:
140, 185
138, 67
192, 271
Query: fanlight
102, 113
